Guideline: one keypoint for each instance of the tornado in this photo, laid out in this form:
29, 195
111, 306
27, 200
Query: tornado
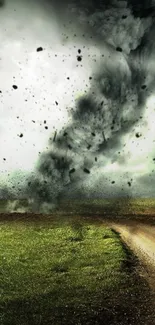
95, 152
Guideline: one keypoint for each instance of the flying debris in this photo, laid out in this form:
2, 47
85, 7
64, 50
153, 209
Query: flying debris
79, 57
87, 171
143, 87
39, 49
14, 87
21, 135
72, 171
138, 135
55, 134
103, 115
104, 136
119, 49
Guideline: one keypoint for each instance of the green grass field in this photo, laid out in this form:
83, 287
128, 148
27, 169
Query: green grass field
65, 271
109, 207
113, 206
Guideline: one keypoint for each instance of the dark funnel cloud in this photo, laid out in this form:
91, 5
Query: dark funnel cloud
113, 105
100, 120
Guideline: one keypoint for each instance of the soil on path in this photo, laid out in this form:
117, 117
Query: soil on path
140, 238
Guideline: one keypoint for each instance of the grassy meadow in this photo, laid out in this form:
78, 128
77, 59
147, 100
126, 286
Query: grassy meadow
105, 206
110, 207
73, 270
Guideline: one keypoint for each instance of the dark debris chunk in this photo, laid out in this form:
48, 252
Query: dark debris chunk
138, 135
55, 134
72, 171
87, 171
39, 49
15, 87
79, 58
119, 49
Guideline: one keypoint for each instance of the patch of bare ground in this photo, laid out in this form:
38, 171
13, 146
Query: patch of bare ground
140, 239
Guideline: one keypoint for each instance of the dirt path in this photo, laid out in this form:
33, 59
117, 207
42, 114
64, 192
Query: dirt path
141, 240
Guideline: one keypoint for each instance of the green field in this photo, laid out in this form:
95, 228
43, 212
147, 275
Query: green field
113, 206
57, 271
109, 207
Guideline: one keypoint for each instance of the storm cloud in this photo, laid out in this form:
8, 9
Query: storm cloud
92, 154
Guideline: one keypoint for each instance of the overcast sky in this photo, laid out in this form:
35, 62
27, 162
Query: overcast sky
41, 78
40, 89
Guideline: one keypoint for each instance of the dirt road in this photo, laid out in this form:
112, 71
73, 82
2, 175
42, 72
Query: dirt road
141, 240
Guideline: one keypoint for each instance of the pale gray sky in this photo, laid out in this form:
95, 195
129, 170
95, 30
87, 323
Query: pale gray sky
41, 78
